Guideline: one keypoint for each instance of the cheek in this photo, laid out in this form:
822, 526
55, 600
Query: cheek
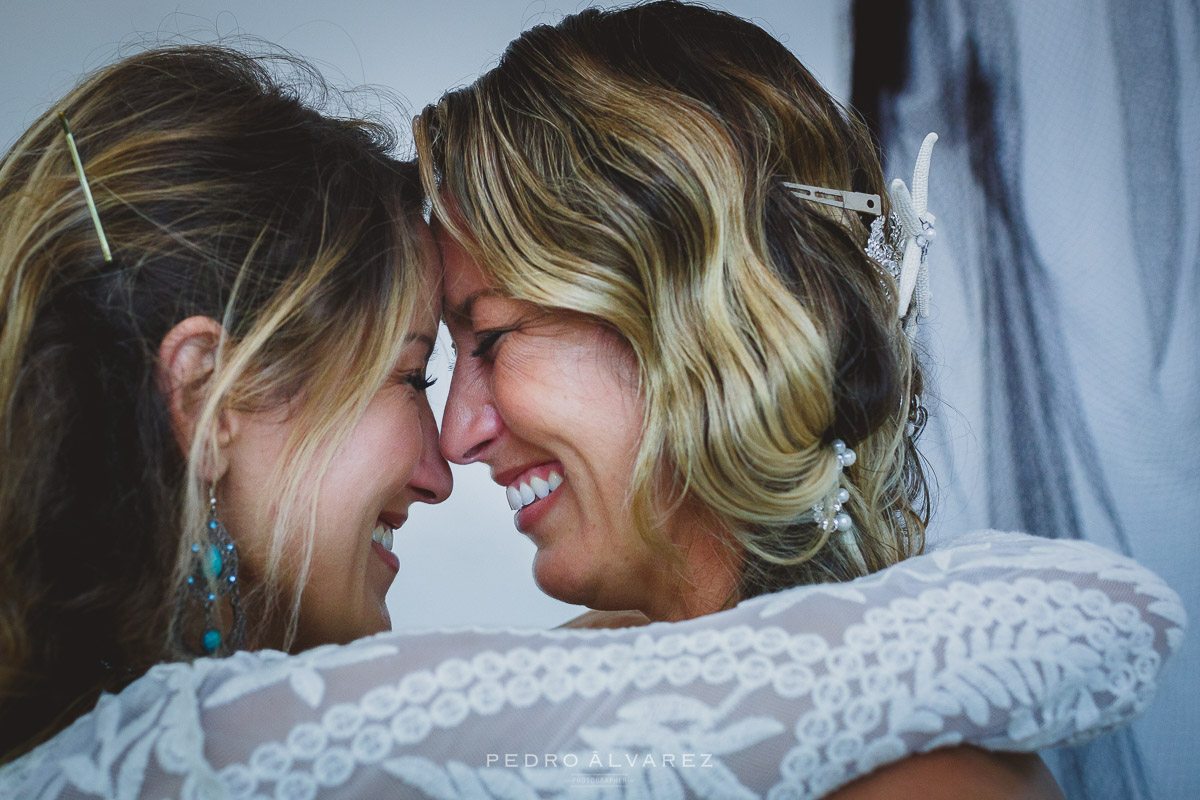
570, 381
371, 468
526, 390
385, 452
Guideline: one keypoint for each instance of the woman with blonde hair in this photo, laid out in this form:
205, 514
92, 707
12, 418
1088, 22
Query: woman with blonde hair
218, 308
681, 338
620, 194
212, 294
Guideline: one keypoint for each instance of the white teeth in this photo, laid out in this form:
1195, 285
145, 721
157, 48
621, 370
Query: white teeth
384, 534
522, 494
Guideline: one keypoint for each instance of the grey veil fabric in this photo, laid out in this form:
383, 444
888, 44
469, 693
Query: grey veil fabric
1066, 322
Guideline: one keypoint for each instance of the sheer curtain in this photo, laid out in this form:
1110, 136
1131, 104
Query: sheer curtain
1066, 185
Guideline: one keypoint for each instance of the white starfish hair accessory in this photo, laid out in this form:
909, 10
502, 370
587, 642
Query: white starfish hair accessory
900, 242
916, 230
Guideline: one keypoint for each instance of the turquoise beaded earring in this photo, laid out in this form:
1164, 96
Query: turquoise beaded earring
214, 580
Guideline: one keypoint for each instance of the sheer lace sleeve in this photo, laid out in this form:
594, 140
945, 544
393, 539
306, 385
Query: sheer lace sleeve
1003, 641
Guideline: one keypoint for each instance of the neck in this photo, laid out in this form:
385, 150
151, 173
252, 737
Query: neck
705, 583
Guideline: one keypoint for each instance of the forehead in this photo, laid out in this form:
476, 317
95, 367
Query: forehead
429, 252
462, 279
419, 275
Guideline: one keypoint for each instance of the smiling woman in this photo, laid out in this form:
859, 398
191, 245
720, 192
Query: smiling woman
708, 360
665, 292
387, 461
219, 305
550, 400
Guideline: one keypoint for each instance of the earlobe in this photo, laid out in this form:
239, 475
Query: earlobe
186, 359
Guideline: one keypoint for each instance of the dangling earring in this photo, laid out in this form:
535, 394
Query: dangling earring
214, 578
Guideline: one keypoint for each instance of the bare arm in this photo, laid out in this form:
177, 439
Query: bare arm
955, 773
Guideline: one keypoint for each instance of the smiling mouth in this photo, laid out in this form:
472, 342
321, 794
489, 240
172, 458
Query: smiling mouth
533, 488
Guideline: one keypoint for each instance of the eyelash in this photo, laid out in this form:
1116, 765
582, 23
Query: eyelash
418, 381
486, 341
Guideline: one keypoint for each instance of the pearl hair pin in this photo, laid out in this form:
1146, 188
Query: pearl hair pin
828, 513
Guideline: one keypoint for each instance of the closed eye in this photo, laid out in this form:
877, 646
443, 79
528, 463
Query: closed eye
420, 382
417, 380
486, 340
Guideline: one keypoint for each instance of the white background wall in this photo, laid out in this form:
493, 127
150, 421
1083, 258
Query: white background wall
463, 562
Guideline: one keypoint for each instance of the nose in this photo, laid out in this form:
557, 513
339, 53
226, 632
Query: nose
470, 423
432, 481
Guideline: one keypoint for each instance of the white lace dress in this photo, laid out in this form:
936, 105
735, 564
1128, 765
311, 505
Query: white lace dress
1002, 640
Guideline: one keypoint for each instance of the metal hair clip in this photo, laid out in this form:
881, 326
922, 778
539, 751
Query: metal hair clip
87, 190
900, 242
855, 201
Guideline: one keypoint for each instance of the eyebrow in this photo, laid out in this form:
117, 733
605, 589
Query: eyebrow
462, 311
425, 340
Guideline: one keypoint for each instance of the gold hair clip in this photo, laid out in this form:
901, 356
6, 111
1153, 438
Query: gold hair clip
87, 190
855, 201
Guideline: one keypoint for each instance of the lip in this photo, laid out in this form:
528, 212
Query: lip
386, 556
396, 519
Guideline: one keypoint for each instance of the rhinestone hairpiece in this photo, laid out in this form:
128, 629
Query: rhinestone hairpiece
899, 242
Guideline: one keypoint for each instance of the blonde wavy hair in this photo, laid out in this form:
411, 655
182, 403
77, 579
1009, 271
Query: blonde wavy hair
225, 193
628, 165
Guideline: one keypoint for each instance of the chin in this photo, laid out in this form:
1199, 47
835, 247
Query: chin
378, 622
561, 584
578, 587
385, 621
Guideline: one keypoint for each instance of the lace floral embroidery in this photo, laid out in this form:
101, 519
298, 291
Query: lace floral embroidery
1001, 642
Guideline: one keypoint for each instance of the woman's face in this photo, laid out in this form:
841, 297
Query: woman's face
389, 461
551, 404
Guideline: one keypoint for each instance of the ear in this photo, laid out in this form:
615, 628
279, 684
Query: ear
186, 358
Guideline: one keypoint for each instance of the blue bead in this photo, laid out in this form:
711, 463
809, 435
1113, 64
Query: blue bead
191, 579
211, 597
212, 640
229, 546
233, 578
195, 548
213, 563
212, 524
